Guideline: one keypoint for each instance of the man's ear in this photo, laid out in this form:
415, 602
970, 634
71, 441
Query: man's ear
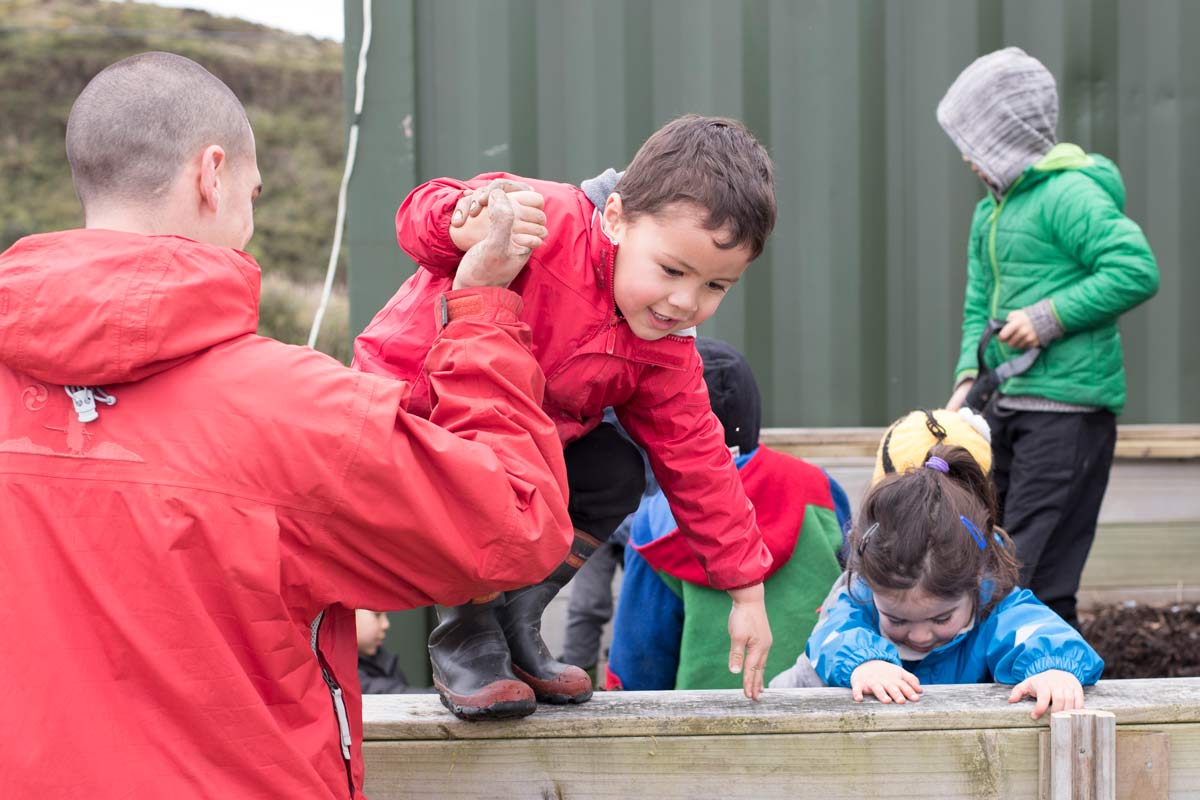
211, 176
613, 217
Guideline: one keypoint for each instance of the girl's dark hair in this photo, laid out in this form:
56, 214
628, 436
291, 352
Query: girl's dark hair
910, 533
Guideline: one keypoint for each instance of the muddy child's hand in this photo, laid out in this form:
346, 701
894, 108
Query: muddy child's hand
499, 258
469, 223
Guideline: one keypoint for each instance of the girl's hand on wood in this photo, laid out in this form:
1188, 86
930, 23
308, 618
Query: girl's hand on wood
887, 681
1053, 689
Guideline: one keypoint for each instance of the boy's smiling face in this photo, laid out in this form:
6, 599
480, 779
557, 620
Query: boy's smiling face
670, 274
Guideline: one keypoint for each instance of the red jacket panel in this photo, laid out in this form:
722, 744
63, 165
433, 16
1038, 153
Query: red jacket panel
591, 359
160, 566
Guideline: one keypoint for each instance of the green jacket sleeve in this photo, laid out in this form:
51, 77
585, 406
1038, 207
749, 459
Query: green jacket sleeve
1111, 246
975, 305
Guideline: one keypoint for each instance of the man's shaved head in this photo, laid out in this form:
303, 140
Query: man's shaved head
140, 120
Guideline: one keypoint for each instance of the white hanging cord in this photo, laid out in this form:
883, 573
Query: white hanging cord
360, 81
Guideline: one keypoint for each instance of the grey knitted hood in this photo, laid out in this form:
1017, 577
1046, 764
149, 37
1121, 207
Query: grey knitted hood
1001, 113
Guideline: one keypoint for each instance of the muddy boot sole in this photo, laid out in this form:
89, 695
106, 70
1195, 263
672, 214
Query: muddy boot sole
558, 692
500, 700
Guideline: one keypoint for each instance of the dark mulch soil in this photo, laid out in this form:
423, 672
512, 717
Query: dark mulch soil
1139, 641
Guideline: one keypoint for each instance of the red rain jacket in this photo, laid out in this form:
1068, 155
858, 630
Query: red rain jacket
161, 567
591, 359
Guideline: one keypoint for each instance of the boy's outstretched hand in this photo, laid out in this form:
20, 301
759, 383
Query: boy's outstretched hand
1054, 689
749, 637
887, 681
497, 259
469, 227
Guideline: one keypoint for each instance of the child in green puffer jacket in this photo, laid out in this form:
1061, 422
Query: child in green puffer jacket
1052, 253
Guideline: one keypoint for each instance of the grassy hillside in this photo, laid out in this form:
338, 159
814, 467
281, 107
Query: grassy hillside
291, 86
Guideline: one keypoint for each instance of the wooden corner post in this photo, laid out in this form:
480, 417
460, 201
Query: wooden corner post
1083, 755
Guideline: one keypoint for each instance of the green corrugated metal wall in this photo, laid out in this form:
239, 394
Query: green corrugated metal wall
852, 314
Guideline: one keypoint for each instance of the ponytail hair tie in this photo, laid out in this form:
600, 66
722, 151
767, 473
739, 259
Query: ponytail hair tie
938, 463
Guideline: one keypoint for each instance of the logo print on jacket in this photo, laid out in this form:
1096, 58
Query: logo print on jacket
34, 397
78, 437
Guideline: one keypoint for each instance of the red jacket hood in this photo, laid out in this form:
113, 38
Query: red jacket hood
99, 307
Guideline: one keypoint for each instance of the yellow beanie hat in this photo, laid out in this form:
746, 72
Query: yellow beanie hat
909, 438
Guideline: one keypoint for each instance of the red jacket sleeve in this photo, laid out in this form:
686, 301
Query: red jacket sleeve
470, 501
685, 443
423, 221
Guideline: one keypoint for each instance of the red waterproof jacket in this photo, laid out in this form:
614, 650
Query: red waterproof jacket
591, 359
177, 575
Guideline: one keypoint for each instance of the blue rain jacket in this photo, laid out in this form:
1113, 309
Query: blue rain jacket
1020, 638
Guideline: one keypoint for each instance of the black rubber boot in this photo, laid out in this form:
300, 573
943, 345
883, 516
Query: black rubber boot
606, 477
472, 670
520, 617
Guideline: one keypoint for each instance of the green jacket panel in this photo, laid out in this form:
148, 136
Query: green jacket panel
793, 595
1060, 233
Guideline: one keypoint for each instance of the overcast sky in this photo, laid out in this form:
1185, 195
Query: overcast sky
322, 18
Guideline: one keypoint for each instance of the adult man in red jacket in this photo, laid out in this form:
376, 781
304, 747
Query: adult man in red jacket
195, 510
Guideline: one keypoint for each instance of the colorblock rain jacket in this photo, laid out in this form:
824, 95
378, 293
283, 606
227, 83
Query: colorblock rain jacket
1020, 638
187, 561
591, 359
670, 627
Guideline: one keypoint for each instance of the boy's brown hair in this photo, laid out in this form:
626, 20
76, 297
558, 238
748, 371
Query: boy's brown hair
711, 162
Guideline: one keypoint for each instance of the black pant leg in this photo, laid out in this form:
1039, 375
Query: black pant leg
606, 477
1000, 424
1041, 481
1056, 579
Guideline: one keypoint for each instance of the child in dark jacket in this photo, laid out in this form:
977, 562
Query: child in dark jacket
1053, 257
379, 669
667, 633
612, 294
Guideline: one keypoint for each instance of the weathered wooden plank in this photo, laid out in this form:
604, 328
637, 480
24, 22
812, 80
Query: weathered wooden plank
1183, 756
1165, 555
980, 763
794, 711
1139, 492
993, 764
1083, 755
1133, 441
1143, 764
1143, 595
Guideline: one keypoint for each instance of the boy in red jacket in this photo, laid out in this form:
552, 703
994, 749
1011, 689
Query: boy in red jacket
621, 276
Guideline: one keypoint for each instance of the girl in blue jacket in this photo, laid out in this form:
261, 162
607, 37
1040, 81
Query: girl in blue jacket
931, 597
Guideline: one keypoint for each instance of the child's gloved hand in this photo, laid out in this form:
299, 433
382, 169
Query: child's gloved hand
887, 681
1054, 689
468, 227
497, 259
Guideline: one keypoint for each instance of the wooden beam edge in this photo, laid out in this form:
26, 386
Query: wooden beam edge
1137, 442
1165, 701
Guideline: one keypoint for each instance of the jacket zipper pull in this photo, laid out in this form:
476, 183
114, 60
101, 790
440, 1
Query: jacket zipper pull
84, 398
343, 721
611, 344
84, 402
